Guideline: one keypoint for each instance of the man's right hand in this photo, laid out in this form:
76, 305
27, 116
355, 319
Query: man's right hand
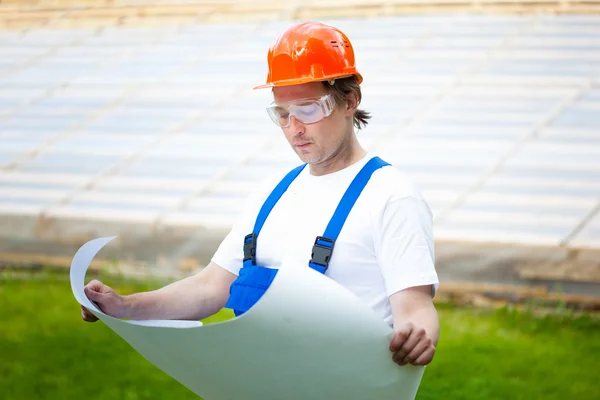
105, 298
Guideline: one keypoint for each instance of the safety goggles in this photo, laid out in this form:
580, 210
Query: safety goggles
307, 111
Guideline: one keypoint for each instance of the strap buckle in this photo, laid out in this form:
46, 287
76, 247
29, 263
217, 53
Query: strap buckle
250, 248
322, 251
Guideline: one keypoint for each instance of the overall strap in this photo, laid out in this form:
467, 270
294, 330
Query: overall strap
323, 247
250, 240
253, 280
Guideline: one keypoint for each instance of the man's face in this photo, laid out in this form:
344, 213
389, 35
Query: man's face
317, 142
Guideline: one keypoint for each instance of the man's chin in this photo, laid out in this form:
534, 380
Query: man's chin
307, 155
307, 158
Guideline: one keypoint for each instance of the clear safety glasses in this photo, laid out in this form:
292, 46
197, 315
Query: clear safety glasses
307, 111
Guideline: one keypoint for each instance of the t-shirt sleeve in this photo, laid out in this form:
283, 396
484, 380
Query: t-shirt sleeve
230, 253
405, 246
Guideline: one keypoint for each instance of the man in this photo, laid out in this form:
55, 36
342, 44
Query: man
382, 249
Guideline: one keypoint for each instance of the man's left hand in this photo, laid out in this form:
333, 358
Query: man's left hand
412, 345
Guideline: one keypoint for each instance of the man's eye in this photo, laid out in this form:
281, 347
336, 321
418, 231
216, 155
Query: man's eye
307, 111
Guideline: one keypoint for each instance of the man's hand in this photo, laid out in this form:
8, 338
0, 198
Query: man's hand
105, 298
412, 345
416, 324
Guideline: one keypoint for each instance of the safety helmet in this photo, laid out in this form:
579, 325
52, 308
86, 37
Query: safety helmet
310, 52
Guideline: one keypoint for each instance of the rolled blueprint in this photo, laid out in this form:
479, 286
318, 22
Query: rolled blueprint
306, 338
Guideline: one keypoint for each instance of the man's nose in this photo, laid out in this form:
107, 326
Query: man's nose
297, 127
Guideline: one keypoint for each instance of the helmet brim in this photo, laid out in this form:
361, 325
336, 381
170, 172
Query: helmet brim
291, 82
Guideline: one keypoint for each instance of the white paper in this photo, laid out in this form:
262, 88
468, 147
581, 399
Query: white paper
307, 338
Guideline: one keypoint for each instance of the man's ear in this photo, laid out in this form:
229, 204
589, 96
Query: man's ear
351, 102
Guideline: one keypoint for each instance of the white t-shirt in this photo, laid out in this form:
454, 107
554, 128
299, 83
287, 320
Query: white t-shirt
386, 244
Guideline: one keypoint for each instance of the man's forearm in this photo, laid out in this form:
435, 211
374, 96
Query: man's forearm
193, 298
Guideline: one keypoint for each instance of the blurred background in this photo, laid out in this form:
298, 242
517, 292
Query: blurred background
138, 119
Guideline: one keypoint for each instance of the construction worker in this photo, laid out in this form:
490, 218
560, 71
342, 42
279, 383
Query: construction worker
343, 212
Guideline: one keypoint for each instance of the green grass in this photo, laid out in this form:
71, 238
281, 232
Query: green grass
47, 352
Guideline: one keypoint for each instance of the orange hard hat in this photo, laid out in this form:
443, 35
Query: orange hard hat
310, 52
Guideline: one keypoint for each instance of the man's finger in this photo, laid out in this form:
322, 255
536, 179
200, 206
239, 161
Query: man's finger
415, 337
420, 347
426, 357
91, 318
87, 315
402, 334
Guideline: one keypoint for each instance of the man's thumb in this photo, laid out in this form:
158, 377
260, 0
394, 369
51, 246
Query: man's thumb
403, 331
92, 294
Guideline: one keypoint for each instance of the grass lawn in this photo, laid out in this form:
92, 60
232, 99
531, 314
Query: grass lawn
47, 352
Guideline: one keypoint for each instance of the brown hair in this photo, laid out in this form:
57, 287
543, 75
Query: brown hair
341, 90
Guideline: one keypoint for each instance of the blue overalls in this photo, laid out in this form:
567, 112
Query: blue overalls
254, 280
